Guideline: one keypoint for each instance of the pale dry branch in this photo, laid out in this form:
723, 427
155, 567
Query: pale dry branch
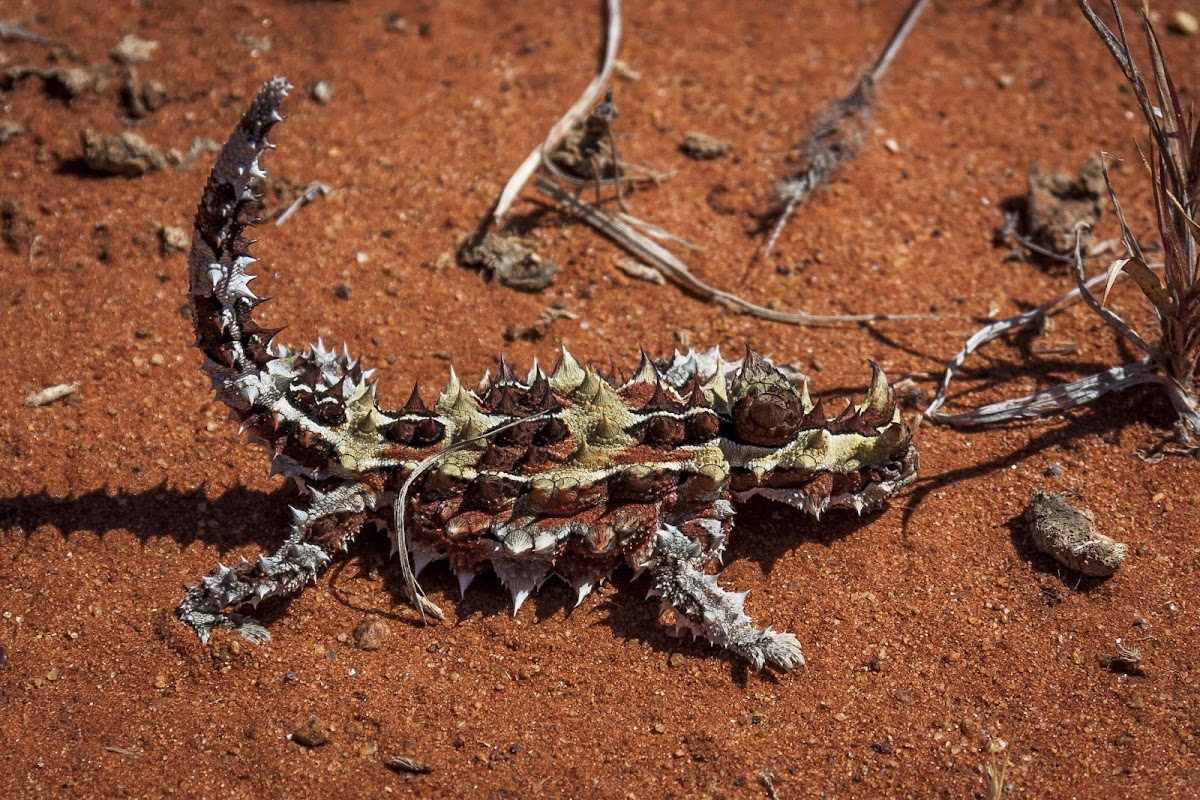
838, 132
651, 252
575, 113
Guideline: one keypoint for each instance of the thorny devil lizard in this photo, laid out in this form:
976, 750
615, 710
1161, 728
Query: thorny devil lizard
569, 474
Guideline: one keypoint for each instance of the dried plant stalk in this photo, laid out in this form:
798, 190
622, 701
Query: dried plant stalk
619, 231
1174, 166
636, 235
576, 112
838, 132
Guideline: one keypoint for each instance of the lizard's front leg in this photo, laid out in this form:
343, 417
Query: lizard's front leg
326, 527
677, 563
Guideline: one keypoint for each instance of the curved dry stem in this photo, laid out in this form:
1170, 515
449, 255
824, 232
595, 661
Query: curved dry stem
592, 93
400, 534
1063, 397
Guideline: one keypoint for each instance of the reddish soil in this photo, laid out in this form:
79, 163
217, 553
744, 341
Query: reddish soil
937, 641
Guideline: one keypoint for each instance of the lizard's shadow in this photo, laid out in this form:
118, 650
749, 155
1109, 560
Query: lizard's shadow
235, 518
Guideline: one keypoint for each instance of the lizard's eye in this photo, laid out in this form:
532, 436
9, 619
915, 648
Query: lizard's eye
769, 418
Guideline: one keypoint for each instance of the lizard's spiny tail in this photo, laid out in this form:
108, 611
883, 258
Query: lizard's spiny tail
237, 349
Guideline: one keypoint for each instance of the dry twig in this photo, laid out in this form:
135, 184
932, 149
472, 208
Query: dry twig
1174, 166
838, 132
678, 272
576, 112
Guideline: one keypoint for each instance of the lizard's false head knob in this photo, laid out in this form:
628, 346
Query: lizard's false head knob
767, 410
769, 418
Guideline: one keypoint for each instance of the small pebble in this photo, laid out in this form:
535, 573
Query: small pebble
370, 633
394, 22
702, 147
132, 50
322, 92
407, 764
9, 130
676, 660
173, 239
1183, 23
313, 733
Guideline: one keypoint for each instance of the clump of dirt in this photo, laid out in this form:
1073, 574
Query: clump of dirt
126, 154
703, 147
1065, 533
1056, 204
62, 83
587, 151
508, 261
141, 98
16, 227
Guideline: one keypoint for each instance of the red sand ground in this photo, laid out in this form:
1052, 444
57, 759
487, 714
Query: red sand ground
933, 634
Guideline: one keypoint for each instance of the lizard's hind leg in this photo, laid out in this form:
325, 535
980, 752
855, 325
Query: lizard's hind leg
317, 533
677, 564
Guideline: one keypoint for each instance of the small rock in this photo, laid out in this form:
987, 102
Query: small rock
636, 269
394, 22
968, 727
122, 154
173, 239
1183, 23
313, 733
509, 262
132, 50
367, 749
1066, 534
322, 92
342, 291
9, 130
702, 147
161, 682
67, 83
370, 633
659, 728
676, 660
50, 394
